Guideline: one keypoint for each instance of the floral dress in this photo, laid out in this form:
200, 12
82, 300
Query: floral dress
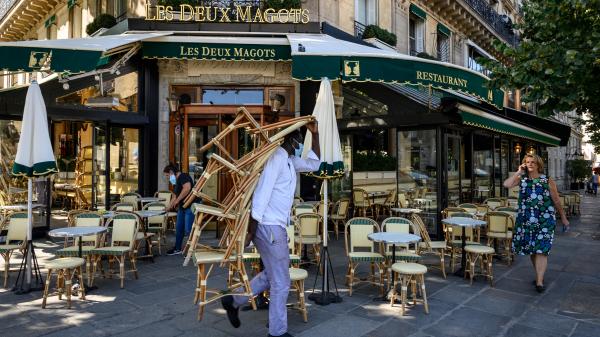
536, 220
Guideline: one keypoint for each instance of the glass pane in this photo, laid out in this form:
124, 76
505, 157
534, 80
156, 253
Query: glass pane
232, 96
9, 139
483, 165
342, 188
100, 159
454, 170
417, 172
504, 164
195, 158
124, 160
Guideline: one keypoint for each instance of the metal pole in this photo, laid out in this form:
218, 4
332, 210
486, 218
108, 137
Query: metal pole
29, 229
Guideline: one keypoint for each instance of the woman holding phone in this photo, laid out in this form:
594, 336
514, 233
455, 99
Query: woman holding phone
536, 217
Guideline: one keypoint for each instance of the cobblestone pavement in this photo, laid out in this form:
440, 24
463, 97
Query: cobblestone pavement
159, 303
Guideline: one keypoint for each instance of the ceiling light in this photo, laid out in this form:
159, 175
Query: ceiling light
66, 85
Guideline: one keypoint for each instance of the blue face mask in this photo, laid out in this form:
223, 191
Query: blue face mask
172, 179
298, 151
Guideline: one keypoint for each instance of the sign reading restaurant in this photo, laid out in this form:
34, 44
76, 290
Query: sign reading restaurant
237, 13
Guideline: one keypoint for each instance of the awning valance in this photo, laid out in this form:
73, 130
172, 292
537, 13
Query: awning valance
217, 48
66, 55
418, 11
443, 29
316, 55
485, 120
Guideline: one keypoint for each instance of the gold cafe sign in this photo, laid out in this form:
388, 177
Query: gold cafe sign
238, 13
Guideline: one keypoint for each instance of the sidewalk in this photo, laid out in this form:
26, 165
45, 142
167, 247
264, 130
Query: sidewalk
159, 303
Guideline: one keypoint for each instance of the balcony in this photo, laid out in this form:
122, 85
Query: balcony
5, 6
501, 24
359, 29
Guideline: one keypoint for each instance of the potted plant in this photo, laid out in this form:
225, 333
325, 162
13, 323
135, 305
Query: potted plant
374, 31
101, 21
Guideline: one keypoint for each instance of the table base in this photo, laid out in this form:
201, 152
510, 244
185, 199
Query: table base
460, 272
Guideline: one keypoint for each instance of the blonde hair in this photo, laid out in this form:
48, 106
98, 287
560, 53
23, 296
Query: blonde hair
538, 160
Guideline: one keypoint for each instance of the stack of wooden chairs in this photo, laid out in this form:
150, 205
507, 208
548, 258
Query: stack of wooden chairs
233, 210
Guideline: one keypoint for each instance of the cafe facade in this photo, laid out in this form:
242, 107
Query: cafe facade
152, 91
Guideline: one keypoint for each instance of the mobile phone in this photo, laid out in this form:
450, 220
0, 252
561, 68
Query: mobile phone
524, 167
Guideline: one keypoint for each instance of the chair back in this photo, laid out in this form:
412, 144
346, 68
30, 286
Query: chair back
402, 201
297, 200
342, 207
512, 202
124, 229
483, 208
131, 198
470, 208
304, 209
291, 239
88, 219
321, 208
450, 211
123, 206
510, 211
494, 203
167, 195
391, 198
397, 225
158, 220
356, 234
498, 222
308, 224
422, 230
17, 227
361, 198
455, 233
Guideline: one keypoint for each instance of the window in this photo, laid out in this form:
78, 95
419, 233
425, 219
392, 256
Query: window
473, 55
366, 12
120, 9
416, 34
443, 47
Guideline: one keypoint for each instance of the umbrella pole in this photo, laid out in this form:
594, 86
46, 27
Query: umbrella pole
325, 297
29, 229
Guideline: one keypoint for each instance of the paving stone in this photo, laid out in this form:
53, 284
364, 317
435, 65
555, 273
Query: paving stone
469, 322
158, 329
548, 322
519, 330
343, 326
586, 330
501, 303
393, 328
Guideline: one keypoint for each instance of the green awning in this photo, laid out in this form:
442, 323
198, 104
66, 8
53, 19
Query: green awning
50, 21
66, 55
325, 56
217, 48
443, 29
485, 120
418, 11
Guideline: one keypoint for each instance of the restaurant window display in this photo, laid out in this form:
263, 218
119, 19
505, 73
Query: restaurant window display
124, 160
417, 172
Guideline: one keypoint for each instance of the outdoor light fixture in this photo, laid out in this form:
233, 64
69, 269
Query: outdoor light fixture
530, 150
518, 148
66, 85
97, 77
173, 101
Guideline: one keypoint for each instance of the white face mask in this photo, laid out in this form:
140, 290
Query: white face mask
172, 179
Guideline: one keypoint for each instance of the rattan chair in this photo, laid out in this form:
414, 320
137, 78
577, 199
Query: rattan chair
157, 225
427, 246
494, 203
362, 203
499, 228
308, 227
356, 241
16, 237
171, 216
131, 198
339, 215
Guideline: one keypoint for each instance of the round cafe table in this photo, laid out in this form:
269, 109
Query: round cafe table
392, 238
146, 200
407, 210
464, 223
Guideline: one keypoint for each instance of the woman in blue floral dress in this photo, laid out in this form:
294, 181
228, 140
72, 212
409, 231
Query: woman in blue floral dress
536, 220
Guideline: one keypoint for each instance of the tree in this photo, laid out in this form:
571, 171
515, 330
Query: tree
557, 63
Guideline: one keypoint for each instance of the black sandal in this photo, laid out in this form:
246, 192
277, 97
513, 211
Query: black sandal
540, 289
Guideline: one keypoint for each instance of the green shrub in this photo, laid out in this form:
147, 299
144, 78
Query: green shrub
580, 170
282, 4
424, 55
101, 21
380, 33
373, 162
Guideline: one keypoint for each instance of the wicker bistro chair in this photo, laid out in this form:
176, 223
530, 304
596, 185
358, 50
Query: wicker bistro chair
124, 230
339, 215
576, 203
171, 216
157, 224
386, 206
427, 246
131, 198
484, 255
123, 206
308, 225
510, 211
88, 243
355, 239
400, 225
413, 274
303, 209
494, 203
469, 208
499, 228
512, 202
362, 203
454, 238
402, 200
65, 268
16, 237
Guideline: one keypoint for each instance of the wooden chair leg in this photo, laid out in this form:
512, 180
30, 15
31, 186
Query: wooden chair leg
133, 259
403, 291
424, 293
81, 284
46, 288
490, 270
413, 282
6, 258
68, 285
202, 279
393, 293
351, 280
442, 263
121, 260
60, 283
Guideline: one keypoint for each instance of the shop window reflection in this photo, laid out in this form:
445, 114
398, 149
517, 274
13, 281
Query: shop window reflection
9, 139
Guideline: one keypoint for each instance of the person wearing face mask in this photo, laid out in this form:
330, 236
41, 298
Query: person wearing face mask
271, 204
182, 183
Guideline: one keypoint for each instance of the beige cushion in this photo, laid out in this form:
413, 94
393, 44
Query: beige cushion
208, 257
297, 274
458, 243
479, 249
507, 235
116, 250
74, 251
433, 244
172, 214
409, 268
65, 263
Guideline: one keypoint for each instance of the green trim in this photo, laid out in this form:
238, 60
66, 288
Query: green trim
443, 29
38, 169
30, 59
490, 124
418, 11
50, 21
71, 3
216, 51
396, 70
329, 171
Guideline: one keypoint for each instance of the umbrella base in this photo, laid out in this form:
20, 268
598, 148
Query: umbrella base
325, 296
37, 282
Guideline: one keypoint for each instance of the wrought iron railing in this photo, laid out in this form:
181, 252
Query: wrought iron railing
500, 23
359, 29
5, 6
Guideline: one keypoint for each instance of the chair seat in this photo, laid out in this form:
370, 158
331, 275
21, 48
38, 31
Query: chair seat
216, 211
117, 250
172, 214
208, 257
366, 257
308, 240
297, 274
65, 263
433, 244
74, 251
7, 248
458, 243
249, 257
154, 229
409, 268
337, 217
405, 256
479, 249
507, 235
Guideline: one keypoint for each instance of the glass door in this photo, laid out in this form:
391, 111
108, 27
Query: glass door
124, 160
99, 171
454, 169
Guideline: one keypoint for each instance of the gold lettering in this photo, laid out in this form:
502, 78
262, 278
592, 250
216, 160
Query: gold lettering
209, 11
243, 14
269, 15
205, 51
160, 13
445, 79
200, 13
258, 17
284, 13
148, 17
169, 13
305, 17
183, 9
225, 14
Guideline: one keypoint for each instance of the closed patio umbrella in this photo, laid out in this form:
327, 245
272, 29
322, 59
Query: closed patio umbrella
332, 166
34, 159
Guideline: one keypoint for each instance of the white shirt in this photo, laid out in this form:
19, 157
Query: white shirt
274, 193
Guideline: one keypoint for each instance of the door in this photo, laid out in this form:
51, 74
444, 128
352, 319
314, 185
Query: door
454, 169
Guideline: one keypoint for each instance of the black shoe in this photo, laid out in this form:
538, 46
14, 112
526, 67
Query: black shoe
284, 335
232, 312
173, 251
540, 289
